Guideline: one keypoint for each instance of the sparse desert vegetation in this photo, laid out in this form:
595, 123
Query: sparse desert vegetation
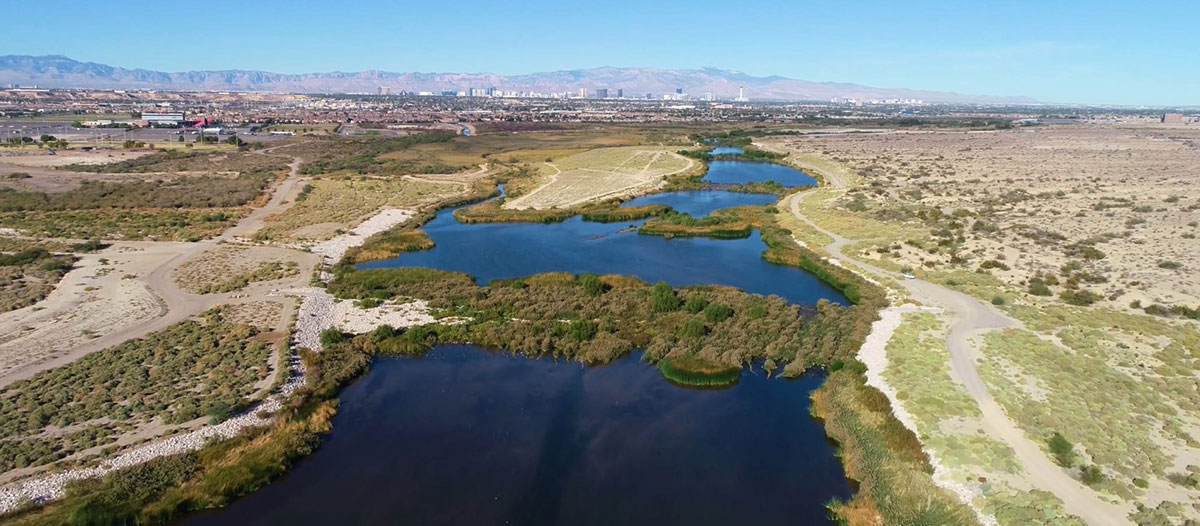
229, 268
1081, 234
29, 275
204, 367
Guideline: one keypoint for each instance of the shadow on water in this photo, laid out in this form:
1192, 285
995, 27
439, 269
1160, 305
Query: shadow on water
465, 436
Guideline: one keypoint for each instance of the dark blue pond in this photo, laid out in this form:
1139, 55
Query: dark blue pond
510, 250
703, 202
742, 172
468, 437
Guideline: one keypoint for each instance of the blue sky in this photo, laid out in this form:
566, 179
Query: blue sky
1064, 51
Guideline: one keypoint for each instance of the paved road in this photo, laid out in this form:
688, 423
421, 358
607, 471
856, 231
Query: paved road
971, 318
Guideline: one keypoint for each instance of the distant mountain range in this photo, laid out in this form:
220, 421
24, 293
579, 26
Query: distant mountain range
56, 71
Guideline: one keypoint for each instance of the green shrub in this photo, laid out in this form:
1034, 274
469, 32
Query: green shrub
693, 329
663, 298
695, 304
717, 313
1091, 475
1062, 449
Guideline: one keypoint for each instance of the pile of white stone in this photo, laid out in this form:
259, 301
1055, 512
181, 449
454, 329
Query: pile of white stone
332, 250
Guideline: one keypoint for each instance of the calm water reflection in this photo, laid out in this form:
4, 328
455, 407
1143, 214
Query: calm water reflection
468, 437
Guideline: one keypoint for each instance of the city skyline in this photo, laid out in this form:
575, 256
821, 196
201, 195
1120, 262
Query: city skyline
1067, 52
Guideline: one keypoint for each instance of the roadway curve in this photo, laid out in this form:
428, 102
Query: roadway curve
177, 305
970, 319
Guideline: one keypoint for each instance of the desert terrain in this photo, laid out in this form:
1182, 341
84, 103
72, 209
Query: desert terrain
1057, 258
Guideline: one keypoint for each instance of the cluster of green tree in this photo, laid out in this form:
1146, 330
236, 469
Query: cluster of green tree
732, 138
29, 275
49, 141
363, 156
185, 192
190, 370
750, 153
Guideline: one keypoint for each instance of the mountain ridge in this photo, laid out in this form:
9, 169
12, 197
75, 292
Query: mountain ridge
58, 71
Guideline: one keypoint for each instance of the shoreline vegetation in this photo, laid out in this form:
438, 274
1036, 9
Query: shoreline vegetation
701, 335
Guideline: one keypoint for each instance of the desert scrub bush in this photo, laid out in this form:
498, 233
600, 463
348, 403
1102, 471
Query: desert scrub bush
30, 275
266, 271
177, 374
1039, 285
1062, 449
1046, 388
115, 223
1081, 297
180, 161
1170, 265
184, 192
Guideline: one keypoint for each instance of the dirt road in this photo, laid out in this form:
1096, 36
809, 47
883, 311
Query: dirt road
971, 318
159, 304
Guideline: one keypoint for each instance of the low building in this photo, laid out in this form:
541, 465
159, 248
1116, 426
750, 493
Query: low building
1172, 118
164, 118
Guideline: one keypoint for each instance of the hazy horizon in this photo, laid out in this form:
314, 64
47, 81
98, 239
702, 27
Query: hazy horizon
1065, 53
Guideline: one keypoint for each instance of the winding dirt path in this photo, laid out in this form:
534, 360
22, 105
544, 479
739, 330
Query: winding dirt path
174, 304
970, 319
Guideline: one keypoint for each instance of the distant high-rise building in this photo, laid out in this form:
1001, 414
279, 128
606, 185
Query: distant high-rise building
384, 90
583, 93
679, 91
491, 91
620, 93
1172, 118
742, 94
449, 93
601, 93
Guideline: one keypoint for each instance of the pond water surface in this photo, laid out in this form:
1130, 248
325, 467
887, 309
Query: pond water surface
702, 202
465, 436
742, 172
469, 437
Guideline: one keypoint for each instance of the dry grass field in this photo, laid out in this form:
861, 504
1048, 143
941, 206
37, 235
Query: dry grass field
1086, 235
339, 203
601, 173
